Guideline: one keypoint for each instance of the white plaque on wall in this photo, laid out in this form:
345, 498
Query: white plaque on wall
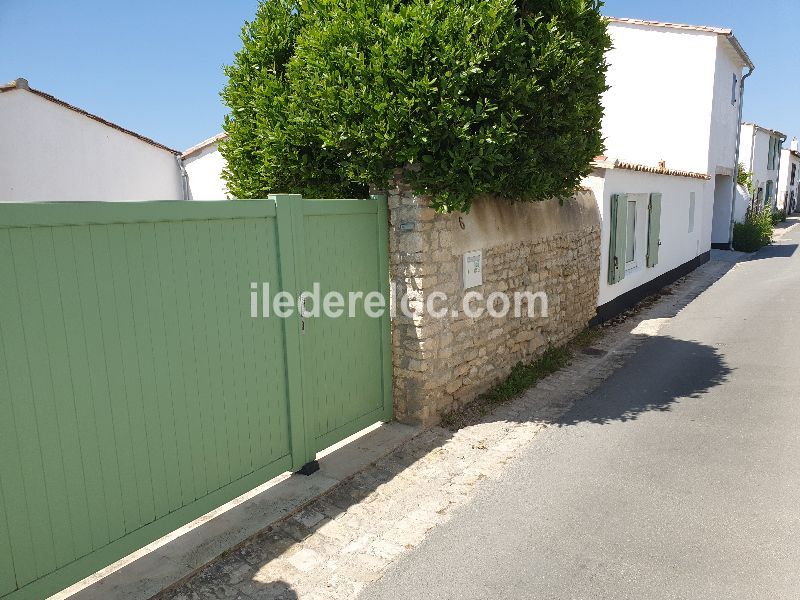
473, 269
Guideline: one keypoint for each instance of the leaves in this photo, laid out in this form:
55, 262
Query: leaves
495, 97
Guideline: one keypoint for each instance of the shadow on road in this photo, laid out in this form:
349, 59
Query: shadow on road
775, 251
683, 370
658, 372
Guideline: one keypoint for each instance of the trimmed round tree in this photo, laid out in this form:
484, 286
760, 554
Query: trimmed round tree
487, 97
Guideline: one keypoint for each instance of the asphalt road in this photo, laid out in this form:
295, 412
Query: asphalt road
679, 478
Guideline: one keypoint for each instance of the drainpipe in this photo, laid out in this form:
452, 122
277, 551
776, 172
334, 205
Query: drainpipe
184, 177
778, 178
736, 156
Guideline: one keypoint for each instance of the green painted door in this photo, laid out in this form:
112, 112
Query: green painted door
345, 359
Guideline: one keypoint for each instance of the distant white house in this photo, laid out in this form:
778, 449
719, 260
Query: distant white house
760, 151
789, 179
665, 188
52, 151
204, 165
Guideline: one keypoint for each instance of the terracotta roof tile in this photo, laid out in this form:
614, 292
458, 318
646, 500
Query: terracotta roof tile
603, 162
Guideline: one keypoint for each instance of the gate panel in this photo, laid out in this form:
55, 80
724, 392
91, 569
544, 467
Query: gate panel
345, 250
136, 391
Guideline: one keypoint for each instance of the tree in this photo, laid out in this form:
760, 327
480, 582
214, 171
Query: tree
745, 179
484, 96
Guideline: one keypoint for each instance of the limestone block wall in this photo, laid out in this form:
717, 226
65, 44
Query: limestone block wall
440, 363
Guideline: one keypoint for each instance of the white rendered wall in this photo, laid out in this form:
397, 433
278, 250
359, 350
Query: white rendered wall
204, 170
742, 203
49, 153
754, 154
659, 103
721, 219
785, 188
678, 245
724, 113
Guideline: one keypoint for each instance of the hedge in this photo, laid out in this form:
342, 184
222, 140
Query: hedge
328, 97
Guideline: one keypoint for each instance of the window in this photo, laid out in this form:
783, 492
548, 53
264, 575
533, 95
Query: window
691, 211
630, 235
635, 225
771, 153
794, 173
733, 89
769, 194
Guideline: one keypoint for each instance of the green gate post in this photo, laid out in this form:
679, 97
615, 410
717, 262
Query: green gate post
386, 324
290, 222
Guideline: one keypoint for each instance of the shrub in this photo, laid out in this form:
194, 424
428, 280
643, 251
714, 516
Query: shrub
494, 97
755, 231
778, 216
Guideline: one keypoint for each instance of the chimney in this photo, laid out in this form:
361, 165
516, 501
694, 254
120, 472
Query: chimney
794, 145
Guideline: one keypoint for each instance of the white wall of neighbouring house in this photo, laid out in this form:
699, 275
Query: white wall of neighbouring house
681, 232
725, 105
743, 201
721, 216
725, 110
658, 106
204, 171
788, 189
754, 155
50, 153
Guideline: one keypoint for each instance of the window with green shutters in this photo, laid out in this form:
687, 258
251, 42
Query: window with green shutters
622, 234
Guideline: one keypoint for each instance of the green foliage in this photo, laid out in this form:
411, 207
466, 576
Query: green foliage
778, 216
496, 97
745, 178
755, 231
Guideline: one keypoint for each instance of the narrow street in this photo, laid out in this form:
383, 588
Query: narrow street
679, 477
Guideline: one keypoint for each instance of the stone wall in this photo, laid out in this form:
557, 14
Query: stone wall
440, 363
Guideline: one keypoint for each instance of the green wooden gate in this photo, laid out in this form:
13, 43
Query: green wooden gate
137, 392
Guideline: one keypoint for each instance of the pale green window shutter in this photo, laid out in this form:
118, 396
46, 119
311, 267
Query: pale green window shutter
618, 220
653, 229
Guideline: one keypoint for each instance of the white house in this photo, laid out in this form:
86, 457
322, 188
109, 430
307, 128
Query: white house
204, 165
666, 185
53, 151
760, 152
789, 178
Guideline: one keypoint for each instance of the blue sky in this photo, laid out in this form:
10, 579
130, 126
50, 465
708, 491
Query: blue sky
156, 67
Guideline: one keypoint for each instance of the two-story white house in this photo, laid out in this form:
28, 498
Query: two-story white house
665, 186
760, 153
789, 178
